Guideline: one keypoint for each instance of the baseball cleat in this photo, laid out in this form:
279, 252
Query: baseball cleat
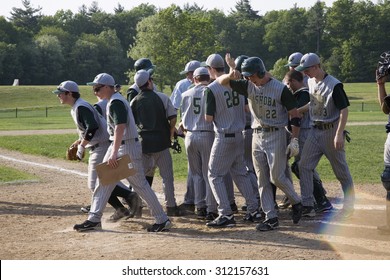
160, 227
87, 225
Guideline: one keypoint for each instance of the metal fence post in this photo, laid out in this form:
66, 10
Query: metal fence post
16, 112
46, 111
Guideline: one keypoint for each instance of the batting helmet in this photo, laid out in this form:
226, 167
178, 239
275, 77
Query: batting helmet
253, 65
146, 64
239, 60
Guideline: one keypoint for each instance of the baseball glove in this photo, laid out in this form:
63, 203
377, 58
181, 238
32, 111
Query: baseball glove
175, 145
383, 68
386, 105
71, 153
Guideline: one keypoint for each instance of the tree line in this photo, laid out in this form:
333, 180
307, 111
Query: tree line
45, 50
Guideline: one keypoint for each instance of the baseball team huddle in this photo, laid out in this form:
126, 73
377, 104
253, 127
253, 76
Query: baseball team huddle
240, 129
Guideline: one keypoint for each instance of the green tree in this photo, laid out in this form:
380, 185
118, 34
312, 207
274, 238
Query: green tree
26, 19
51, 60
170, 39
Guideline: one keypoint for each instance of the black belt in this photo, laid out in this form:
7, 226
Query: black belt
265, 129
323, 126
230, 135
124, 141
200, 130
92, 148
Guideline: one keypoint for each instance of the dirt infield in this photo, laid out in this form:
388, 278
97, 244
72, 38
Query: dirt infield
37, 218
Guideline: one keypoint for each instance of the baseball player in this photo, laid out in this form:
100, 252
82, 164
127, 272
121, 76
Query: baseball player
247, 133
328, 109
155, 118
385, 106
271, 104
198, 142
146, 64
294, 81
92, 130
176, 97
293, 61
124, 140
226, 110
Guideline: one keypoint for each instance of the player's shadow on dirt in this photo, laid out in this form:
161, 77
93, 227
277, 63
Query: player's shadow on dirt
30, 209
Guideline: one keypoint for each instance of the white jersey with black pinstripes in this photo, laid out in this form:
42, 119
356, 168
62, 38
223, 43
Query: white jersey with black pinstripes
102, 104
230, 114
192, 110
322, 107
101, 134
131, 129
265, 103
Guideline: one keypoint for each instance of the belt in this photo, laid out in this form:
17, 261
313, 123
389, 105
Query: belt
92, 148
200, 130
323, 126
124, 141
265, 129
230, 135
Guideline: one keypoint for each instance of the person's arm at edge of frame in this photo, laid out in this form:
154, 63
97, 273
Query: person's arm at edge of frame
382, 94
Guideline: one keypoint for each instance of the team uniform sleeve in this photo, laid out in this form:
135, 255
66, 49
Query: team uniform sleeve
288, 99
98, 108
210, 104
340, 98
87, 120
304, 98
118, 112
240, 86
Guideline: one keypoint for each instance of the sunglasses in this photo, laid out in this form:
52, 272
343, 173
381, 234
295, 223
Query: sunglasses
98, 88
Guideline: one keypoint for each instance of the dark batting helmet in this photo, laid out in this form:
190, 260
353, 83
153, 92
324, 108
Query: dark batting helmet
253, 65
146, 64
239, 60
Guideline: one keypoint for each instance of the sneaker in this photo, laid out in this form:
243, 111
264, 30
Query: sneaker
234, 208
268, 225
201, 213
223, 221
308, 211
252, 217
87, 225
211, 216
85, 209
119, 214
135, 205
160, 227
187, 207
285, 203
324, 206
175, 211
296, 212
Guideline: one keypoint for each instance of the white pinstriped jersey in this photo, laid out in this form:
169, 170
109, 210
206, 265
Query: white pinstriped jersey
101, 134
230, 109
180, 87
265, 103
192, 110
169, 109
103, 106
131, 129
322, 107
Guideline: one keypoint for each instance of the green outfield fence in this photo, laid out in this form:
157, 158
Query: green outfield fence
63, 111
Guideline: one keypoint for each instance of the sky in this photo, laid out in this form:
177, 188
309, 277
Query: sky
49, 7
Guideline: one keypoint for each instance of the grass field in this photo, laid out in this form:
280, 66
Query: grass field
364, 153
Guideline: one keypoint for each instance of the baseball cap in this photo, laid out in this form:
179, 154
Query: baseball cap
294, 59
103, 79
201, 71
66, 86
190, 67
307, 61
215, 61
141, 77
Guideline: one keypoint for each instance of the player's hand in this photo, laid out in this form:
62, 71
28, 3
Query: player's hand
339, 141
112, 161
230, 61
80, 152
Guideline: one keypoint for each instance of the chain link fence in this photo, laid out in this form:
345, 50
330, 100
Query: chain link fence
35, 112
